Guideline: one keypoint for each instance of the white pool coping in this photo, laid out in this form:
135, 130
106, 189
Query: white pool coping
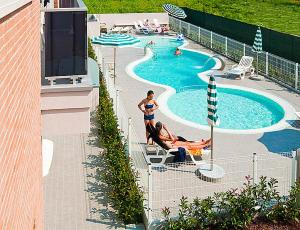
169, 91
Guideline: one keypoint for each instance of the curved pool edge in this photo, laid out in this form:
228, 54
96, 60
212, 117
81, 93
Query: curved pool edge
289, 110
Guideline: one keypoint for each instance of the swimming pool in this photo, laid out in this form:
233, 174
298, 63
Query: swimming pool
239, 109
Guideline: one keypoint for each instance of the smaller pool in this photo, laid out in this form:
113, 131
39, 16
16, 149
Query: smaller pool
237, 109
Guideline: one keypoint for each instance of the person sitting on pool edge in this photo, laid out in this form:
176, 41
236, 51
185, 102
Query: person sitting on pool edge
177, 52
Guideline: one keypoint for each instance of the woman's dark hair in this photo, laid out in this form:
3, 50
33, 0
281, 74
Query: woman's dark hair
150, 92
158, 127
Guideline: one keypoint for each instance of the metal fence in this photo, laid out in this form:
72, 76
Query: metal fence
172, 181
276, 68
164, 184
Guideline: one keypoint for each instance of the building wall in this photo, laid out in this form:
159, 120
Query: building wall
21, 196
66, 110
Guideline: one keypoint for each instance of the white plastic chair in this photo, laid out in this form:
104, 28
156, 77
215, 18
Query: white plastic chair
244, 66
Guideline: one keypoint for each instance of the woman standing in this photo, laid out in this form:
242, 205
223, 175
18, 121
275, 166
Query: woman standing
150, 105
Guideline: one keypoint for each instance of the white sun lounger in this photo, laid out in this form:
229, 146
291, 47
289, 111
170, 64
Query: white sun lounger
126, 29
141, 30
154, 154
297, 114
116, 29
244, 66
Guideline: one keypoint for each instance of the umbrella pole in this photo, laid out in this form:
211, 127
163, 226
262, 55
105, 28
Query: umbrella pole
212, 147
114, 66
257, 64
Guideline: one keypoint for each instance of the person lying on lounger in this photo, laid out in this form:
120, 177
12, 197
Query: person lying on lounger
169, 141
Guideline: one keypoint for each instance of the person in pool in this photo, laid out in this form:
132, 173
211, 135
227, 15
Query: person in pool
177, 52
148, 106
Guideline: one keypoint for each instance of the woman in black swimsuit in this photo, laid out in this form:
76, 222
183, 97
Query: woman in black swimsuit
150, 105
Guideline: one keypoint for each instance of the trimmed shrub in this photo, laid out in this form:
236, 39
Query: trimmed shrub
123, 192
237, 208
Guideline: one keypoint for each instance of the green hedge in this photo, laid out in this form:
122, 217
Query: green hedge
123, 192
237, 208
91, 51
125, 196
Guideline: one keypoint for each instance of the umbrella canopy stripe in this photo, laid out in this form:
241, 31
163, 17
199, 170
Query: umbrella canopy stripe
115, 40
257, 45
174, 11
212, 117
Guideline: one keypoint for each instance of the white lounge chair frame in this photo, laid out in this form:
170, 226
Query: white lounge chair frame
244, 66
167, 154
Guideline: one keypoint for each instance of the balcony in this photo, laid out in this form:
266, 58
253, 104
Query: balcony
69, 78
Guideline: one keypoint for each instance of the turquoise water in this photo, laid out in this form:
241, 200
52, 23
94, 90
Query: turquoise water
237, 109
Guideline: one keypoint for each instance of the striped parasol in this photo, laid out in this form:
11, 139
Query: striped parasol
115, 40
212, 117
174, 11
257, 46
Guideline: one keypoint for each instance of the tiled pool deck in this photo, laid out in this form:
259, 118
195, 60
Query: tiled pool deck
230, 149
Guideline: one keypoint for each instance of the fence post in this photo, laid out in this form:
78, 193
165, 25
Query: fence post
244, 49
267, 63
294, 168
296, 75
117, 102
149, 193
298, 174
211, 39
199, 35
102, 66
254, 168
180, 26
129, 137
226, 40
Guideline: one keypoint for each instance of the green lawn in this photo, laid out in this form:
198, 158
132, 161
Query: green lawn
279, 15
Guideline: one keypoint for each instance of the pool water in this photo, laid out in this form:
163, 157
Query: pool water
237, 109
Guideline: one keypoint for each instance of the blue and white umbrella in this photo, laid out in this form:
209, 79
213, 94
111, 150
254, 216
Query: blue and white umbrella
115, 40
257, 46
212, 117
174, 11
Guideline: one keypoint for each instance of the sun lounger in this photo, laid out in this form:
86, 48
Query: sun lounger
116, 29
141, 24
244, 66
141, 30
159, 155
167, 153
297, 114
126, 29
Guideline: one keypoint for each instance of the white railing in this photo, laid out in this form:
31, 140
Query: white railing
172, 181
164, 185
274, 67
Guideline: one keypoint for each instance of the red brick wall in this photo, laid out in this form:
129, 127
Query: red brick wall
21, 197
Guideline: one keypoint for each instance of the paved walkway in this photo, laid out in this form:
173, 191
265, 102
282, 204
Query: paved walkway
74, 196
